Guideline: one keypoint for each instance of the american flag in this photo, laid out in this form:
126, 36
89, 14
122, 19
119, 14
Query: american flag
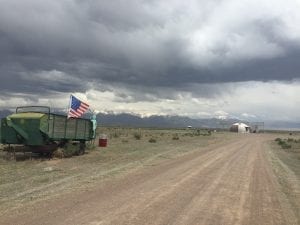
77, 107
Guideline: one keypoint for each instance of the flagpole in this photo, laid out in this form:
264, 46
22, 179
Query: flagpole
69, 106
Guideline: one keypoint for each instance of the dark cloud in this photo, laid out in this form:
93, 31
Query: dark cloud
65, 46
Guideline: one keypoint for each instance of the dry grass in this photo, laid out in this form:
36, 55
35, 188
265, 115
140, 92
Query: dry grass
23, 182
285, 156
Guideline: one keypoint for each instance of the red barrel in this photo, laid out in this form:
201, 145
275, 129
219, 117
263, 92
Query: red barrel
102, 142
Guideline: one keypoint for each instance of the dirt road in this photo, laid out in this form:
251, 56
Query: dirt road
231, 184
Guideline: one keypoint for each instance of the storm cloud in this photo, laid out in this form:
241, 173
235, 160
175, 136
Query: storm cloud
146, 50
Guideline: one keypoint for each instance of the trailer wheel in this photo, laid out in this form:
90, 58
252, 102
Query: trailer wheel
81, 148
62, 143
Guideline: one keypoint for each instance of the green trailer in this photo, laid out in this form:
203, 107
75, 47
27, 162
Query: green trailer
37, 128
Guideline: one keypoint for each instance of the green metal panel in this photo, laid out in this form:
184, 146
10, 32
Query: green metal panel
27, 115
72, 129
89, 130
27, 128
51, 122
32, 129
44, 123
80, 129
8, 134
59, 127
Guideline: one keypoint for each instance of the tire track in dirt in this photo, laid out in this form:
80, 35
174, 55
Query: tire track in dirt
264, 202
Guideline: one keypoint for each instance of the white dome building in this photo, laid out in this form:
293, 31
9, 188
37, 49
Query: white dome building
240, 128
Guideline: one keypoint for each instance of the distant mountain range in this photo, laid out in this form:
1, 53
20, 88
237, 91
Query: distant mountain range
126, 119
132, 120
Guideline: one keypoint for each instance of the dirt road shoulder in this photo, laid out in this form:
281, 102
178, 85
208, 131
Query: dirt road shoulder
286, 168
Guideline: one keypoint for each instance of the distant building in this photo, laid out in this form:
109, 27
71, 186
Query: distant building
240, 128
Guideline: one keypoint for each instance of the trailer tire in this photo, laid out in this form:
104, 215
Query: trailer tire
81, 148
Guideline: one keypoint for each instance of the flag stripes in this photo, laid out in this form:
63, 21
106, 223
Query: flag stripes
77, 107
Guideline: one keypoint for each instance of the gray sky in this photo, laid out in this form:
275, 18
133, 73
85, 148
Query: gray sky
219, 58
